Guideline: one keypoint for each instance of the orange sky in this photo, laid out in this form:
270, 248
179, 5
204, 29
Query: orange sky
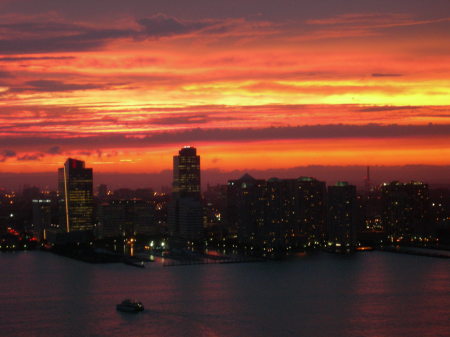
258, 87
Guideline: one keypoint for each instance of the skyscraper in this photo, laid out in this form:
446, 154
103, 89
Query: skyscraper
342, 215
186, 210
75, 189
186, 173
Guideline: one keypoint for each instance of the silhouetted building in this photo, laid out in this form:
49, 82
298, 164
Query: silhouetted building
75, 190
144, 194
310, 210
370, 230
440, 214
7, 200
126, 218
186, 211
277, 215
186, 173
279, 229
367, 181
30, 193
342, 215
215, 203
406, 209
102, 191
190, 218
160, 205
123, 194
42, 217
245, 210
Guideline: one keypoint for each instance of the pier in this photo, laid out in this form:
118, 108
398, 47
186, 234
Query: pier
177, 261
416, 251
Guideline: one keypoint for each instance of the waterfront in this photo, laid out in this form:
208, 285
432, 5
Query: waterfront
366, 294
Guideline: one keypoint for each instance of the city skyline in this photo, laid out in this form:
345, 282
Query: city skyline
256, 86
436, 176
225, 168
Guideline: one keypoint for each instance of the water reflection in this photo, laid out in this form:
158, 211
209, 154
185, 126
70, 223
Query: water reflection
367, 294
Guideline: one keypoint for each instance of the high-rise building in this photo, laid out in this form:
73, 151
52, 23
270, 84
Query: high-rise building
310, 213
75, 189
186, 210
186, 172
277, 214
246, 202
342, 215
126, 218
42, 217
406, 209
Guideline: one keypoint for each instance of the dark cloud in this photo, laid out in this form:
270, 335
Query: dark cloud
275, 10
387, 108
386, 75
163, 25
182, 119
83, 153
54, 150
5, 74
38, 28
198, 135
42, 58
6, 154
36, 37
55, 86
48, 45
55, 36
30, 157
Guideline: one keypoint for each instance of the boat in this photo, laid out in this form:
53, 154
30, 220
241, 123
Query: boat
130, 306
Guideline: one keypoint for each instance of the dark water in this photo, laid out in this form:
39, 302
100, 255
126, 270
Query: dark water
368, 294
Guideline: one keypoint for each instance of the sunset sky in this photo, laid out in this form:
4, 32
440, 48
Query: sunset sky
253, 84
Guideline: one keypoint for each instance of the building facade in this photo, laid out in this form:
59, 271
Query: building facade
126, 218
406, 209
186, 209
342, 215
246, 202
75, 190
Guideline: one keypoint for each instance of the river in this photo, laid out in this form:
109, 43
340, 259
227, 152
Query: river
367, 294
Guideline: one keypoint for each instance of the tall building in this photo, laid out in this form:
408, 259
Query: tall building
278, 213
75, 189
342, 215
186, 210
406, 209
310, 213
42, 217
367, 181
246, 202
126, 218
186, 173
